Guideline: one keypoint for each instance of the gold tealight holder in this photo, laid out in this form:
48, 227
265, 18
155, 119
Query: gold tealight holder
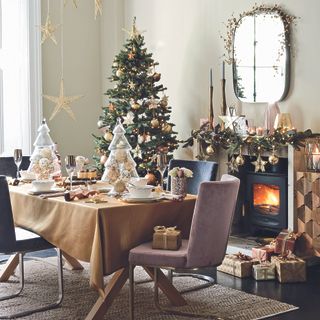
312, 154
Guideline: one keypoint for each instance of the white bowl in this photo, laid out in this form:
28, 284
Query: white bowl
27, 175
42, 185
140, 192
139, 182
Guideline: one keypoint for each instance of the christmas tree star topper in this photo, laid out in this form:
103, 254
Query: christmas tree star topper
62, 102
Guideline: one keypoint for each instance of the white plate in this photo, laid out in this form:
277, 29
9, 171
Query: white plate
130, 198
37, 192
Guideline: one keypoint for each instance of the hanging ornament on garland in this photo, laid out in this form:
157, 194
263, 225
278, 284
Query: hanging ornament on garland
100, 124
111, 107
239, 159
259, 164
232, 165
166, 128
130, 55
164, 101
48, 29
108, 136
137, 152
141, 139
273, 158
135, 105
154, 123
156, 76
152, 104
119, 73
210, 150
128, 119
131, 85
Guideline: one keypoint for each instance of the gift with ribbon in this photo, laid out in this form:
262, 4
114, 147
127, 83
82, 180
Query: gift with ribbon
264, 271
239, 265
166, 238
263, 253
289, 268
285, 242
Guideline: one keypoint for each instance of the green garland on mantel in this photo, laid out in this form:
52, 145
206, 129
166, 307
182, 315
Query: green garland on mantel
231, 141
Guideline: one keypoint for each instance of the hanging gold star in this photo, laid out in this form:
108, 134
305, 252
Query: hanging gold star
62, 102
74, 3
259, 164
131, 85
232, 165
137, 152
97, 8
48, 31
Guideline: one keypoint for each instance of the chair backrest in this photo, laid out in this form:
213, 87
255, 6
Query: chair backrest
8, 167
211, 222
7, 232
202, 171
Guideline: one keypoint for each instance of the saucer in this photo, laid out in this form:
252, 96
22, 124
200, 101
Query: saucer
36, 192
131, 198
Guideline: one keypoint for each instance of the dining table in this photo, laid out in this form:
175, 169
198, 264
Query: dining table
102, 233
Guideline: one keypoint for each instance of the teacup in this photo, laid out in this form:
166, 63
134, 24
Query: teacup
139, 182
42, 185
140, 192
27, 175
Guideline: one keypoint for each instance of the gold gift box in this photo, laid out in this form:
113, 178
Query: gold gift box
264, 271
289, 269
238, 265
166, 238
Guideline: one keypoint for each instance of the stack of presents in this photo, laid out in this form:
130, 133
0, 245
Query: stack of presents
275, 260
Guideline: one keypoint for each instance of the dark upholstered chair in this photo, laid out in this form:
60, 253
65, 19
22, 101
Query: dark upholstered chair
19, 240
202, 171
209, 234
8, 167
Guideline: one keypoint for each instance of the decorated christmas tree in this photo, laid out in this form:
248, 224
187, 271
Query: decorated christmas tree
139, 100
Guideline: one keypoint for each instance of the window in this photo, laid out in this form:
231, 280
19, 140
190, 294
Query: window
20, 74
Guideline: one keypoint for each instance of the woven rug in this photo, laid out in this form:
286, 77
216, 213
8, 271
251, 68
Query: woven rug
216, 302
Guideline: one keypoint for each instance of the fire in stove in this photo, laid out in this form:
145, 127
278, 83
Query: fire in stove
266, 198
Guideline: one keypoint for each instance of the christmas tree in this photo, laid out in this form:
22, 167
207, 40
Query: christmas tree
139, 100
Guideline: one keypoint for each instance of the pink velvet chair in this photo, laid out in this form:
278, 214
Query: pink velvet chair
208, 239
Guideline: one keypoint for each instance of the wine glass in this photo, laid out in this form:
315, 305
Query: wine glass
162, 162
70, 162
17, 157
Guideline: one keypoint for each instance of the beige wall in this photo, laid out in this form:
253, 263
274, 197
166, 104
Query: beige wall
184, 36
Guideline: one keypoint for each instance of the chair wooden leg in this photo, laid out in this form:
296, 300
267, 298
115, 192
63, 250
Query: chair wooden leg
71, 263
131, 291
9, 268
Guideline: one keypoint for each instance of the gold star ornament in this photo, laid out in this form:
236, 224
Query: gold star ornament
48, 31
232, 165
259, 164
134, 32
97, 8
229, 121
62, 102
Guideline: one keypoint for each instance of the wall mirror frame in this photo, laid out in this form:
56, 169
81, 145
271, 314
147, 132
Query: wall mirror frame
258, 47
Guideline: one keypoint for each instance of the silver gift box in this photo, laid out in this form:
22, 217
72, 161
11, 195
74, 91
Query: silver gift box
264, 271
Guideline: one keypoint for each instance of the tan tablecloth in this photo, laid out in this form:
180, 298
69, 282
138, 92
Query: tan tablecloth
101, 234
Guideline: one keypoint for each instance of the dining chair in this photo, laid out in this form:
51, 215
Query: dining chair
202, 171
18, 240
206, 247
8, 167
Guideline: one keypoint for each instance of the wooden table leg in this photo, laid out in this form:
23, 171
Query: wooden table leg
167, 288
9, 267
71, 263
111, 291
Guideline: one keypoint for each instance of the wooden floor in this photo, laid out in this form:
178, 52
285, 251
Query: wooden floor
304, 295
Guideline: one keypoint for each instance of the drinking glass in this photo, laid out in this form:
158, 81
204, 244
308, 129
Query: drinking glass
70, 162
162, 162
17, 157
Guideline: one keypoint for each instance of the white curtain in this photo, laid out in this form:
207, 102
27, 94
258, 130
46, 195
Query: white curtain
20, 61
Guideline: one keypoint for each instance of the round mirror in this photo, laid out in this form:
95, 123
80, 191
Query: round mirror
261, 58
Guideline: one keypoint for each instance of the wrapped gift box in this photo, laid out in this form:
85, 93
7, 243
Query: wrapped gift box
238, 265
289, 269
285, 242
263, 253
166, 238
264, 271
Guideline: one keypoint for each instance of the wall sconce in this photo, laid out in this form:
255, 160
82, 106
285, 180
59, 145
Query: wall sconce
312, 154
283, 121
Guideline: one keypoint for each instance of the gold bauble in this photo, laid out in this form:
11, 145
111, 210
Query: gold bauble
119, 186
156, 76
154, 123
108, 136
166, 128
119, 73
135, 106
239, 160
273, 159
210, 150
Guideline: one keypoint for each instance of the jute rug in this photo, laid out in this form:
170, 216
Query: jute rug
217, 301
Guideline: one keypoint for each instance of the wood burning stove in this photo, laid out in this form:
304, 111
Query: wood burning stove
267, 200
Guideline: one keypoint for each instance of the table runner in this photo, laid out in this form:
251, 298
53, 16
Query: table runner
101, 234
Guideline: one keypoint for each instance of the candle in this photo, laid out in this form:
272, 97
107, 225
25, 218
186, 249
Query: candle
211, 83
223, 70
259, 131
